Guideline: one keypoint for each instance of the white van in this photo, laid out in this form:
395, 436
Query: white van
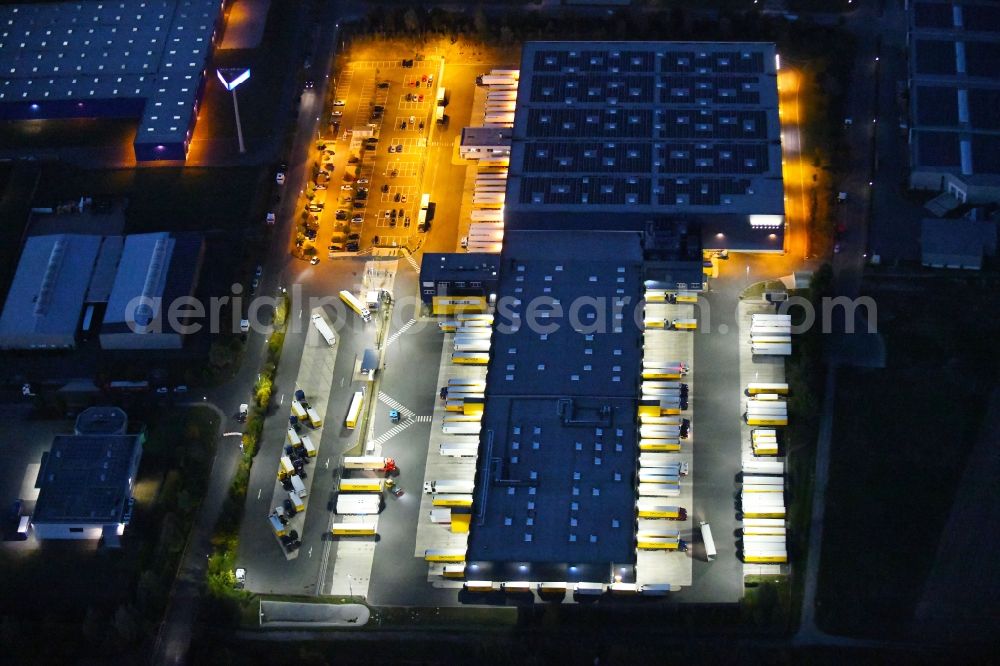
298, 488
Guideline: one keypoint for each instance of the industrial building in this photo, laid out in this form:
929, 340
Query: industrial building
624, 135
45, 300
86, 479
480, 142
155, 271
954, 85
99, 59
473, 274
961, 243
66, 284
555, 492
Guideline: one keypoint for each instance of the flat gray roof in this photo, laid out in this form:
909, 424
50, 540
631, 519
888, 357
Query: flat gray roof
555, 475
155, 265
152, 50
46, 297
954, 85
652, 127
486, 136
86, 479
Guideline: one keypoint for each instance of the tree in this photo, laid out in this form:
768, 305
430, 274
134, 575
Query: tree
411, 21
479, 20
262, 395
94, 625
126, 623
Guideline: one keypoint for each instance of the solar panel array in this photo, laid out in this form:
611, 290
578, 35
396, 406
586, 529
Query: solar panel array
604, 124
152, 51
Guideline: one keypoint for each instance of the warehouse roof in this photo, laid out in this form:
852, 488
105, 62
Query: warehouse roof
156, 265
555, 477
86, 479
954, 85
46, 297
647, 127
436, 267
151, 51
486, 136
961, 243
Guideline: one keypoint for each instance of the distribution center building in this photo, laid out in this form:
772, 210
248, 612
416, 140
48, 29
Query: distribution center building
99, 59
619, 135
954, 84
555, 493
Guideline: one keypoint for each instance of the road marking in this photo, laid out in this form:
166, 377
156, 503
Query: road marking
310, 551
259, 491
403, 329
282, 401
341, 382
395, 404
392, 432
326, 465
413, 262
423, 419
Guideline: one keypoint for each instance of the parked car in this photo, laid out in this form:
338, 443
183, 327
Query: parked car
362, 181
319, 187
314, 261
354, 238
280, 178
270, 219
352, 247
383, 85
341, 214
357, 219
339, 102
314, 207
397, 197
346, 188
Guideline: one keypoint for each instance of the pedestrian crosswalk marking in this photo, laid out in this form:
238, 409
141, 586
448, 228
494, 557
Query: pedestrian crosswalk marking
388, 400
423, 419
403, 329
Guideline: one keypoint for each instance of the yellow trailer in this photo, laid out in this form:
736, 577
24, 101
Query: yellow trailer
444, 555
654, 323
658, 543
354, 529
684, 324
361, 485
767, 419
298, 411
650, 507
474, 406
455, 406
448, 326
453, 571
665, 444
285, 468
767, 558
755, 388
470, 358
661, 373
452, 499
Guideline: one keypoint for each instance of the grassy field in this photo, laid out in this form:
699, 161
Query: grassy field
901, 439
166, 199
66, 600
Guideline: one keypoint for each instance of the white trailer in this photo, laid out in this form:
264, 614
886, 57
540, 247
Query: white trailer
477, 345
459, 450
298, 487
658, 490
468, 428
450, 486
324, 329
762, 466
358, 504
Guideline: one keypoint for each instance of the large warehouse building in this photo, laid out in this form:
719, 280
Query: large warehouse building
555, 498
954, 95
98, 59
632, 159
622, 135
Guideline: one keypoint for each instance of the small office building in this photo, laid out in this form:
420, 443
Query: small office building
86, 479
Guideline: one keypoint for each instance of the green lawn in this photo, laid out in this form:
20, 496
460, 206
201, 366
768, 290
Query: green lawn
901, 439
65, 601
167, 199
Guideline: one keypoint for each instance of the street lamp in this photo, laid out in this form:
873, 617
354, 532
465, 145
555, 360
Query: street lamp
231, 78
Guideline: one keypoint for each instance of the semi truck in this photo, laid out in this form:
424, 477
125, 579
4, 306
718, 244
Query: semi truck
324, 329
355, 304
